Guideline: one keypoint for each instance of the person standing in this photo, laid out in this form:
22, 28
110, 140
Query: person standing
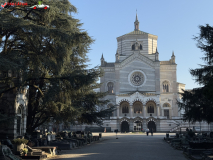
151, 130
147, 131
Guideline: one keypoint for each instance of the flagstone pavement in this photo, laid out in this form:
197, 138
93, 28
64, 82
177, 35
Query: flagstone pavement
126, 147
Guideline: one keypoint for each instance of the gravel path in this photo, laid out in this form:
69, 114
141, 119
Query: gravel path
126, 147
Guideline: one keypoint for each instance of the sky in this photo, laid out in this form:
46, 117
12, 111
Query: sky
175, 22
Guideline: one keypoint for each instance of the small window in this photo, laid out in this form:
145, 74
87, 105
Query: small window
110, 87
141, 48
165, 86
133, 47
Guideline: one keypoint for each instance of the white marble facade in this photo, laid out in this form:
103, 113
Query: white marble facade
143, 89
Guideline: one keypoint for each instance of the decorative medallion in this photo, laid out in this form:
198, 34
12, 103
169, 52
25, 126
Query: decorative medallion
137, 78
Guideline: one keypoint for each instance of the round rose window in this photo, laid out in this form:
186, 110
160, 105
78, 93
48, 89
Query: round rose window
137, 78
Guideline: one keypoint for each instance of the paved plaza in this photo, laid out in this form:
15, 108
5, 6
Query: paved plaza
126, 147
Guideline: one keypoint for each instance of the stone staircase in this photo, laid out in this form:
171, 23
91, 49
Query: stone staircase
178, 126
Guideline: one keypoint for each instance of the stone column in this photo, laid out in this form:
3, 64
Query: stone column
158, 111
144, 125
118, 111
131, 111
144, 111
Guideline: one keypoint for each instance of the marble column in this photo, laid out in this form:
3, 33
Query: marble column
144, 125
118, 112
131, 111
144, 111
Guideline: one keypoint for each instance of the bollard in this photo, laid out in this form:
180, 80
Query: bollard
100, 135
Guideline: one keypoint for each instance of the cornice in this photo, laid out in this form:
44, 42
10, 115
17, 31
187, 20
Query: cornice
152, 36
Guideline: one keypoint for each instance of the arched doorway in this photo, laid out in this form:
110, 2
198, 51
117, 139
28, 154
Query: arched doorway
137, 126
151, 124
124, 126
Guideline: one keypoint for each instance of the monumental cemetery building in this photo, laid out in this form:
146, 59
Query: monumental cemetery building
143, 89
13, 103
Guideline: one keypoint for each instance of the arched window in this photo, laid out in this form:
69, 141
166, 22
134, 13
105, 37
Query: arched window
165, 86
110, 87
137, 108
166, 105
125, 109
150, 108
141, 48
133, 47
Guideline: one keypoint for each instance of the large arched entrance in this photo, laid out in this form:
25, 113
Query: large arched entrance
151, 125
124, 126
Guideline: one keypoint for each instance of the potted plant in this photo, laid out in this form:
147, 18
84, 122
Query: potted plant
18, 144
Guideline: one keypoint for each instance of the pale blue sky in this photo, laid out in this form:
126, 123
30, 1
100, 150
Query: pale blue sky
173, 21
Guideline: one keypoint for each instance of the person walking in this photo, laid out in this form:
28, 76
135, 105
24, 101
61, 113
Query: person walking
147, 131
151, 130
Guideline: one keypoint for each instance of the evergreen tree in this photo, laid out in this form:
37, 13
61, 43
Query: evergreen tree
198, 104
48, 50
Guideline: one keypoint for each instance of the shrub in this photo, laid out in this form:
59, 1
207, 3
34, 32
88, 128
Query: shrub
19, 141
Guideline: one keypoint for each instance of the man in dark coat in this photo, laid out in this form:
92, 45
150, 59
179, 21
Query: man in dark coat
151, 130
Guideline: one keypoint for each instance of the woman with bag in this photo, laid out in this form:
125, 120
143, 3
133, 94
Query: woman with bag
147, 131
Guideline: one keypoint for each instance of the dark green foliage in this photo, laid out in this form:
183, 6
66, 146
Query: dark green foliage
19, 141
48, 50
198, 103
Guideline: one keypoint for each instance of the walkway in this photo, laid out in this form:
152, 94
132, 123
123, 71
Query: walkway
126, 147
